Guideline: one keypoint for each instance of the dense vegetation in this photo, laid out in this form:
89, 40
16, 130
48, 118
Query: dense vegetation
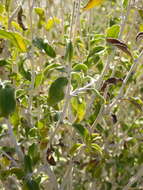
71, 95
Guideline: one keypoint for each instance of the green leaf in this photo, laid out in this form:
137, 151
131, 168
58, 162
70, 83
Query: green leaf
38, 79
50, 68
43, 45
125, 3
56, 90
40, 12
16, 39
52, 22
18, 172
81, 130
27, 164
140, 11
80, 67
4, 62
96, 148
7, 5
22, 71
34, 154
75, 148
99, 95
7, 100
113, 31
69, 51
32, 185
97, 50
76, 79
2, 8
79, 107
137, 102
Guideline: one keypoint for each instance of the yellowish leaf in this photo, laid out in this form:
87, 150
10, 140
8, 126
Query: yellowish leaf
92, 3
51, 22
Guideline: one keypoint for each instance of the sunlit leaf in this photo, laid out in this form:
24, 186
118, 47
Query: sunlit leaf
51, 67
80, 67
41, 13
15, 38
51, 22
96, 147
125, 3
92, 3
2, 8
75, 148
113, 31
79, 107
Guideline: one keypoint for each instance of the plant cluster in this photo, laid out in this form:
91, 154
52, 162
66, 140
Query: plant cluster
71, 95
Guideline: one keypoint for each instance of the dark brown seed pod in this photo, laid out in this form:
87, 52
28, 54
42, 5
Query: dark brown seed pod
2, 42
114, 118
139, 36
49, 157
50, 160
20, 19
120, 45
111, 80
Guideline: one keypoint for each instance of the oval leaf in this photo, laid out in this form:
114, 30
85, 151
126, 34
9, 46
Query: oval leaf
56, 91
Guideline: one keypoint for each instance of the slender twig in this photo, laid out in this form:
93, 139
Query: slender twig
14, 14
51, 175
9, 157
67, 96
135, 178
124, 19
131, 71
30, 56
14, 141
66, 176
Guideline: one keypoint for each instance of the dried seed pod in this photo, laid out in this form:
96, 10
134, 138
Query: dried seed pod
2, 42
20, 19
111, 80
120, 45
50, 158
114, 118
139, 36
